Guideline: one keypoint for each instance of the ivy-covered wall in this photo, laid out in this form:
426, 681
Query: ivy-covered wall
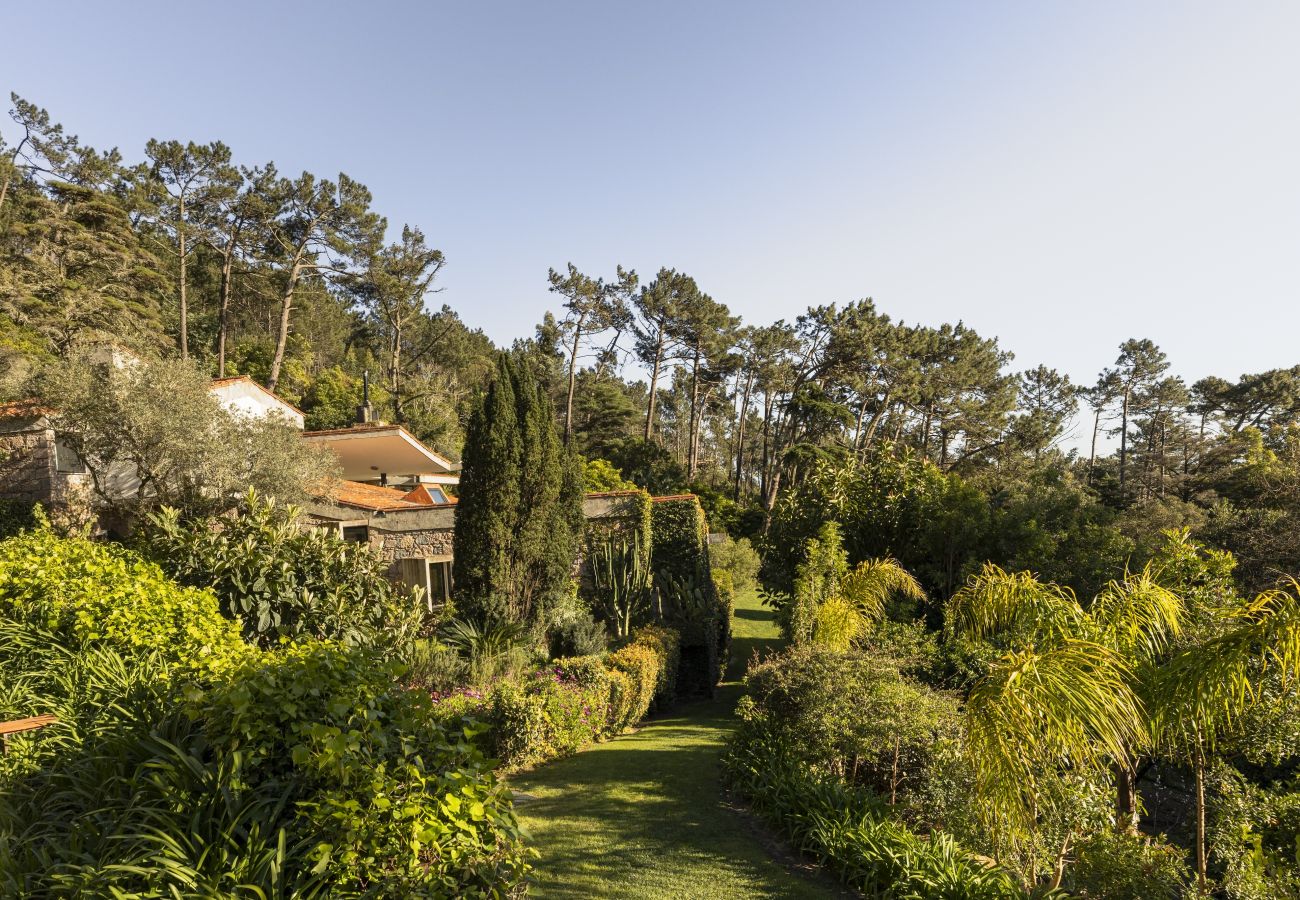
690, 602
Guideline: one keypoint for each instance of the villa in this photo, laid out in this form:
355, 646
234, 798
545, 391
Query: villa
395, 494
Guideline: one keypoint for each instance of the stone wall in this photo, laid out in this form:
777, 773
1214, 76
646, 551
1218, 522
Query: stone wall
27, 463
429, 533
424, 544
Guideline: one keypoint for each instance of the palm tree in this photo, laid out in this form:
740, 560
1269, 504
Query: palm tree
832, 604
1101, 687
1206, 687
859, 599
1063, 694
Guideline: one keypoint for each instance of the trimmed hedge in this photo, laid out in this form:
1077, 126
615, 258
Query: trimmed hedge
691, 602
569, 703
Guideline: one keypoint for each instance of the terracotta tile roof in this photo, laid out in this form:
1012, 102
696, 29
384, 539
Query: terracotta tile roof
374, 497
23, 409
672, 497
419, 495
598, 495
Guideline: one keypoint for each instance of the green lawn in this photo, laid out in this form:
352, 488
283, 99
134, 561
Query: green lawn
644, 816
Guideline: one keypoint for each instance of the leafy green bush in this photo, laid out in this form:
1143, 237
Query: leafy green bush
650, 664
188, 762
85, 594
1116, 865
1255, 834
568, 703
850, 829
280, 580
573, 630
852, 715
739, 559
600, 475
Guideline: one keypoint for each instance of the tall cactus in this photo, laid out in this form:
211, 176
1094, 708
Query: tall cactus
621, 580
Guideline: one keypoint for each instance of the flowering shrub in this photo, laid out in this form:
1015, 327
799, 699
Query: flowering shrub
568, 703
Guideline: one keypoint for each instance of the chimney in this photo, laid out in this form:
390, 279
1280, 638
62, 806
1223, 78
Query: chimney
365, 413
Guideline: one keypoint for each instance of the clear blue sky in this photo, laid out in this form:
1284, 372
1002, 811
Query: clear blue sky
1061, 175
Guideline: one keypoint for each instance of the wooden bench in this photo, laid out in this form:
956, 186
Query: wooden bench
18, 726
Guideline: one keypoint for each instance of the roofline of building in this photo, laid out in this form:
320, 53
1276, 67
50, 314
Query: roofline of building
358, 430
231, 379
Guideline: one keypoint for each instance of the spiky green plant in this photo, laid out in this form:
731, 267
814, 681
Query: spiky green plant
1082, 688
622, 581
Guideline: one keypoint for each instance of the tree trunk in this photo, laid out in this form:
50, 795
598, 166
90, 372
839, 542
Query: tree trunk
654, 385
857, 428
692, 464
1092, 453
766, 471
395, 372
769, 501
740, 434
573, 381
223, 313
876, 418
1123, 444
185, 310
1126, 807
286, 307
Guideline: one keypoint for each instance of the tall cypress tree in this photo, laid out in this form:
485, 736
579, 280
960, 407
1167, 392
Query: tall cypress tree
488, 508
519, 517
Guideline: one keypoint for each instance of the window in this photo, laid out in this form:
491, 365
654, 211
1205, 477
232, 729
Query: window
66, 460
439, 582
432, 575
356, 534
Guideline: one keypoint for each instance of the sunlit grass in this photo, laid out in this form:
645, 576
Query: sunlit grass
644, 815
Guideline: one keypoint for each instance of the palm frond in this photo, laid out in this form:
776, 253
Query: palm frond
1036, 711
1207, 687
996, 601
1138, 616
873, 583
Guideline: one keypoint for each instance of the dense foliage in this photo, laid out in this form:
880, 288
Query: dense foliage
850, 448
187, 761
281, 580
687, 596
151, 433
519, 516
560, 707
829, 745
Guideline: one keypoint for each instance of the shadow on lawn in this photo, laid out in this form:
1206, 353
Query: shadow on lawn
645, 815
650, 807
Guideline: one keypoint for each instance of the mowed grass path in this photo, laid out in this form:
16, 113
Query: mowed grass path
644, 815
